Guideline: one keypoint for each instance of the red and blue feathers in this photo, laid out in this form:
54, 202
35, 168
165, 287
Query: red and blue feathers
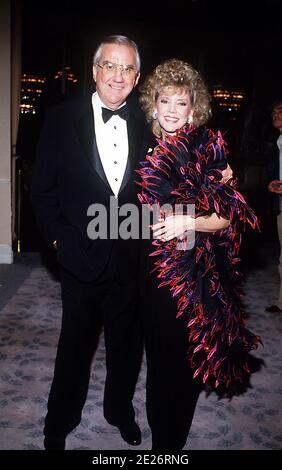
205, 280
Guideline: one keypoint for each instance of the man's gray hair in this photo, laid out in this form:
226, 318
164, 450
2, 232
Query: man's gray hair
122, 41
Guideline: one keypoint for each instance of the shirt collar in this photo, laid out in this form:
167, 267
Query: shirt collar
98, 103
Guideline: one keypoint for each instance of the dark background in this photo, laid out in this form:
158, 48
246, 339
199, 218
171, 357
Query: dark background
236, 44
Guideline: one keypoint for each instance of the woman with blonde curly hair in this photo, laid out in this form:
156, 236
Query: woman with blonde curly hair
175, 75
195, 331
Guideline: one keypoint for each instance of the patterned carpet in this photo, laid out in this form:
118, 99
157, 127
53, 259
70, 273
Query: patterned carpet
29, 328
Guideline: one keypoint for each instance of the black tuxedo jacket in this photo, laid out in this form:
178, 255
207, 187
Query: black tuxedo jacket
68, 177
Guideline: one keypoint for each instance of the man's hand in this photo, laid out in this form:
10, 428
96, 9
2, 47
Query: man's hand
227, 174
275, 186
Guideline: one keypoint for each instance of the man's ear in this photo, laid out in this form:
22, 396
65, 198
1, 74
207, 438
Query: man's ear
94, 72
137, 79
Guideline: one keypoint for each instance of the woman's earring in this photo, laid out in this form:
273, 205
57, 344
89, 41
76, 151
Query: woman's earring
154, 114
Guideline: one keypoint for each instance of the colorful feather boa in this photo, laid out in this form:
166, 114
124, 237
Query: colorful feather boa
205, 280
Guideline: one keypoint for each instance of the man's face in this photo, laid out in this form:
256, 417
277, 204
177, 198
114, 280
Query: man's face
114, 86
277, 117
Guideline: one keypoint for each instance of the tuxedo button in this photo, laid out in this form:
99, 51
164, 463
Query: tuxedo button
115, 163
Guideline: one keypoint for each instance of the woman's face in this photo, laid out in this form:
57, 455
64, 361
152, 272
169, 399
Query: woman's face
173, 108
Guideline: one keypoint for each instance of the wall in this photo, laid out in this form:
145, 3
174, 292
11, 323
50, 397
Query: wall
6, 253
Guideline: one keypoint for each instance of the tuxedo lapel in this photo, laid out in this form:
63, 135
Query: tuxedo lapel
135, 133
97, 164
85, 130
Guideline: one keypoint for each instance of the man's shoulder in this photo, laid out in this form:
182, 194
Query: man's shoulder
135, 107
69, 108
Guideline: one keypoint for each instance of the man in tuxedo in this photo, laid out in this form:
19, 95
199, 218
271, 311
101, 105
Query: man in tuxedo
87, 154
275, 187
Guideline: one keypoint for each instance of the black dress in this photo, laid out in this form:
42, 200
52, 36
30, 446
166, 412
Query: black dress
195, 325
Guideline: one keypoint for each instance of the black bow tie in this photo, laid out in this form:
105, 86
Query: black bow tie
123, 112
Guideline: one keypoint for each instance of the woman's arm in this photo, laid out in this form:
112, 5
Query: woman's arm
211, 223
176, 225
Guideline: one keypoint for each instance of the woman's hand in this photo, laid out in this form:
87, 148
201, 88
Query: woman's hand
176, 225
227, 174
173, 226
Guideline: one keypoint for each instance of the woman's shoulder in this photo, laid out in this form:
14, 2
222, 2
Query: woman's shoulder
206, 134
189, 140
196, 139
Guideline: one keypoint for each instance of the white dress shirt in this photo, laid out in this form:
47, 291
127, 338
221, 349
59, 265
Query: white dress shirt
112, 143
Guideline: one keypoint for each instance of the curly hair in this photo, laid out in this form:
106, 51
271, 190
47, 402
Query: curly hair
171, 75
